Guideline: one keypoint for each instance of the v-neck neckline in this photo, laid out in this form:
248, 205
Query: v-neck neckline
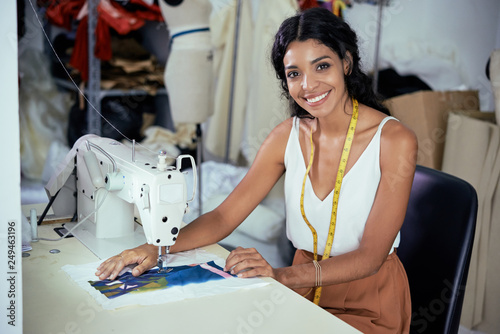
346, 174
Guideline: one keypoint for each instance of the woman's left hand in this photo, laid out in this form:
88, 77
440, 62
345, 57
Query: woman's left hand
247, 262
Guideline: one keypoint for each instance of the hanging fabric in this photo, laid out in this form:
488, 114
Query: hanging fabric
265, 107
222, 26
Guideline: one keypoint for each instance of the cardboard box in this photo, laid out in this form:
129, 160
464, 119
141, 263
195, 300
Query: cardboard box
426, 113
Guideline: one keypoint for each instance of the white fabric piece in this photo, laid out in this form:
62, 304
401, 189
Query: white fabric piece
358, 191
43, 112
26, 234
81, 274
262, 224
437, 68
217, 178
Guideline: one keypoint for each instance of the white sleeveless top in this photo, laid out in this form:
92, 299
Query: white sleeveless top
357, 194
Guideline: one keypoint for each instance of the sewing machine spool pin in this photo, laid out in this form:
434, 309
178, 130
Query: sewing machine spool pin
133, 150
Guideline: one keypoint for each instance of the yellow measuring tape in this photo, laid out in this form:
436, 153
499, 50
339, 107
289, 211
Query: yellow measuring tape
338, 182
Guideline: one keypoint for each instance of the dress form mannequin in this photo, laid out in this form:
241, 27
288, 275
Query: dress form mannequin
189, 70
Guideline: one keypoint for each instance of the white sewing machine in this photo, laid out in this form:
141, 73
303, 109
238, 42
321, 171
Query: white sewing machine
114, 183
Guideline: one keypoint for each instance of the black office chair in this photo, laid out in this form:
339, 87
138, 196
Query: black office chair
436, 245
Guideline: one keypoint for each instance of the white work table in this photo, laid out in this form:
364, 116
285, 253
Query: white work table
54, 303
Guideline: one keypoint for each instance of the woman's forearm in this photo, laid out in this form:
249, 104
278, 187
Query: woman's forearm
339, 269
207, 229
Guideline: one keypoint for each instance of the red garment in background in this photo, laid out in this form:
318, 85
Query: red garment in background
306, 4
79, 57
102, 48
61, 13
110, 14
117, 17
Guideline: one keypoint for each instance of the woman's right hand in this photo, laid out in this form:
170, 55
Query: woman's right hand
146, 257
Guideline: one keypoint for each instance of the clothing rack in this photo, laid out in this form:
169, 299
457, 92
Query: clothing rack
93, 90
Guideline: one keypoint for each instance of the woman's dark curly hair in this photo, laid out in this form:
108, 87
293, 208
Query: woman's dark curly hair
323, 26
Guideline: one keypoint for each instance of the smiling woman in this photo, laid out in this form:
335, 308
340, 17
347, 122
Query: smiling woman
339, 121
340, 155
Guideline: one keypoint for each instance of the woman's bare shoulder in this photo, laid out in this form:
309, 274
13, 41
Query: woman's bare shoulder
396, 134
276, 141
393, 132
284, 126
398, 148
396, 138
281, 131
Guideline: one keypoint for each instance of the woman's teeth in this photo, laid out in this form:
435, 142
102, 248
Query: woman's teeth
317, 98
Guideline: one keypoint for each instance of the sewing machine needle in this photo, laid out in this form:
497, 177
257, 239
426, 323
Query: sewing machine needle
162, 265
160, 260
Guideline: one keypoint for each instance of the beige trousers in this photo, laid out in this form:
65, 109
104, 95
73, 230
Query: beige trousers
375, 304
